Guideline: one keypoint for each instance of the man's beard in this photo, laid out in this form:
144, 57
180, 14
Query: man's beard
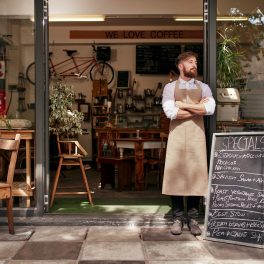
192, 73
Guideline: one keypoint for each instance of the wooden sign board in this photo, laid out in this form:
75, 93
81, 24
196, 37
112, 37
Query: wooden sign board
136, 34
235, 202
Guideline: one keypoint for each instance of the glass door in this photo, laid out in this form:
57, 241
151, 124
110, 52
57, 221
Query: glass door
17, 97
240, 70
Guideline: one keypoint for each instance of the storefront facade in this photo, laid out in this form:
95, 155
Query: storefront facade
32, 41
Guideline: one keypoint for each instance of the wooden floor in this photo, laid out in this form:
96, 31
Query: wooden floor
71, 179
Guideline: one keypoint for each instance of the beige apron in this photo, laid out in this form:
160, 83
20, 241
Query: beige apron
185, 171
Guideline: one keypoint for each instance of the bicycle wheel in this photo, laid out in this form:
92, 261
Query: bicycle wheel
102, 70
30, 73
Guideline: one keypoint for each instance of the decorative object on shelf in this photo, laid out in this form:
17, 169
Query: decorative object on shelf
120, 108
101, 104
133, 110
129, 103
8, 123
120, 94
63, 120
81, 98
85, 109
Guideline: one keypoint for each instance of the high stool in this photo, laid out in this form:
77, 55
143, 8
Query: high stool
71, 153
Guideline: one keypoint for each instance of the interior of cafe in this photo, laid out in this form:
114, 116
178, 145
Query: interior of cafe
106, 66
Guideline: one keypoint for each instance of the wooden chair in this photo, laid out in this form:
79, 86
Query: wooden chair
9, 145
151, 164
71, 153
157, 161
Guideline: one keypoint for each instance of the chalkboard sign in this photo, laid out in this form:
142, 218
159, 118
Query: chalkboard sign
156, 59
235, 203
123, 79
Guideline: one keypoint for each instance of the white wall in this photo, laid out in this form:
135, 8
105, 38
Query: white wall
123, 56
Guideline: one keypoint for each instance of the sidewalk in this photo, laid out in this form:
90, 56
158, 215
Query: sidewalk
130, 244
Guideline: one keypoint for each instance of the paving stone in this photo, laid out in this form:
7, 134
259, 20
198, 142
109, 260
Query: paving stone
232, 252
112, 251
21, 234
239, 261
49, 251
110, 262
184, 262
9, 249
59, 233
113, 234
41, 262
164, 234
176, 250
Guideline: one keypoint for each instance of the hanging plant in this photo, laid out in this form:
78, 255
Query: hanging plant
63, 120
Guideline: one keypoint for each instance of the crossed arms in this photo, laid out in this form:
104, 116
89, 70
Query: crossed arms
187, 110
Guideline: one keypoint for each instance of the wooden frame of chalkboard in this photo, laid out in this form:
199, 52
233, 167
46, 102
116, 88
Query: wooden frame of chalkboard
235, 201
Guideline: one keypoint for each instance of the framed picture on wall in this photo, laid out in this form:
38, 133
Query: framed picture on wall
123, 79
85, 109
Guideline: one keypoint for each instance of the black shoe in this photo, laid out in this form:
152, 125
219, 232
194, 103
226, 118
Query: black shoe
194, 227
176, 228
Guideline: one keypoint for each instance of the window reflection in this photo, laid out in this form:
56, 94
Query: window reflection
16, 95
248, 36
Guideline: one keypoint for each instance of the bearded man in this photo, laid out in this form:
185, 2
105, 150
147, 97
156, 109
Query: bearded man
185, 102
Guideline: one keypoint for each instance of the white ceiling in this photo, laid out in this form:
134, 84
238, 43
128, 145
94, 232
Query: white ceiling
128, 12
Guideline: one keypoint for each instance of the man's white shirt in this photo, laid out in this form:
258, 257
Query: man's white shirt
168, 100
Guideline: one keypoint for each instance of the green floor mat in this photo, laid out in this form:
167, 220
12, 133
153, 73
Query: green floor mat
112, 206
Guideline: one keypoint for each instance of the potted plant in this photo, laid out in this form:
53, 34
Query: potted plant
229, 67
229, 74
63, 120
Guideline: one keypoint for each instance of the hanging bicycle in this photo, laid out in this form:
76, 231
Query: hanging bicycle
76, 67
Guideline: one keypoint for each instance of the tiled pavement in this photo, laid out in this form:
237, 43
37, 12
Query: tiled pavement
117, 245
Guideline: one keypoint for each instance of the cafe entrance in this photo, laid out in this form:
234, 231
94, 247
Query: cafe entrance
127, 107
128, 127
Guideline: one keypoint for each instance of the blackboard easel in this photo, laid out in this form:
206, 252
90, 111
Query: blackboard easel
235, 202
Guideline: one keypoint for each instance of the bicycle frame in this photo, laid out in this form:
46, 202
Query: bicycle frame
79, 64
75, 67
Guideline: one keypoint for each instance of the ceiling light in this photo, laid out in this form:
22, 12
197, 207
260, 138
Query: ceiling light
232, 18
75, 18
188, 18
200, 18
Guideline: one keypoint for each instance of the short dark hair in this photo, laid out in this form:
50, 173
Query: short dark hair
184, 56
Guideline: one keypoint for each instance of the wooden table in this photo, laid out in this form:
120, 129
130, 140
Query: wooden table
103, 134
22, 189
139, 145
